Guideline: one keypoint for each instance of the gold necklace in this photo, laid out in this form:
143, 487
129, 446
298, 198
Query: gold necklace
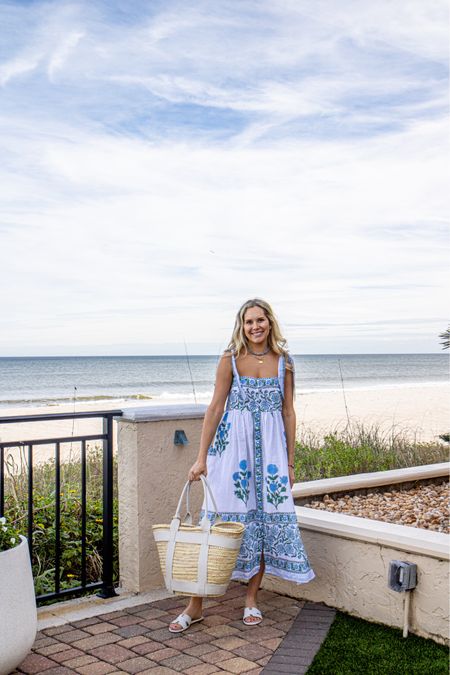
258, 356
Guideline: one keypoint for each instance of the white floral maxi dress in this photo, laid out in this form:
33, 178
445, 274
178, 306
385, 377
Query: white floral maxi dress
247, 467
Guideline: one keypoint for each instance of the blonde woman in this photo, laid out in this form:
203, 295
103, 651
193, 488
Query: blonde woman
247, 452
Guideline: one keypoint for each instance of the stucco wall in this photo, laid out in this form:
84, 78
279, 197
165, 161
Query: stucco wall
151, 474
352, 575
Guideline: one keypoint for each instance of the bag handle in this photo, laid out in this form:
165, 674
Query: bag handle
205, 523
208, 488
177, 511
175, 525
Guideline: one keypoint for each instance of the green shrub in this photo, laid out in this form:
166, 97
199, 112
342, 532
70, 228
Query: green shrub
9, 537
361, 449
44, 518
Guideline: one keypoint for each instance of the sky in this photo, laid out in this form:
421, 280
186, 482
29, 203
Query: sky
162, 162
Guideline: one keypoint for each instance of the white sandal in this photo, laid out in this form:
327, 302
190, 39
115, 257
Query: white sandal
185, 621
252, 611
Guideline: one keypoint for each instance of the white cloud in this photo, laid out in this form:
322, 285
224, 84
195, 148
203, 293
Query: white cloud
62, 52
18, 66
414, 26
157, 171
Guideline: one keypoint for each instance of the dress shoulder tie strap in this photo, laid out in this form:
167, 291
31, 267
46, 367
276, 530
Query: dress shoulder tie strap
281, 372
235, 372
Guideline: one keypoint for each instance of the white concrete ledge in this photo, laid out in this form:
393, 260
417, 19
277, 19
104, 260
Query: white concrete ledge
164, 412
365, 480
86, 607
410, 539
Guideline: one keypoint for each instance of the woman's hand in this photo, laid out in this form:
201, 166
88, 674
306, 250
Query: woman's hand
196, 470
291, 476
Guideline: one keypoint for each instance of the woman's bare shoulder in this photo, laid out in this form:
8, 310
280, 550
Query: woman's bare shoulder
225, 368
224, 364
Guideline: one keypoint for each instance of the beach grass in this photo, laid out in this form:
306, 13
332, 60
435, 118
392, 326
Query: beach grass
359, 448
354, 646
44, 517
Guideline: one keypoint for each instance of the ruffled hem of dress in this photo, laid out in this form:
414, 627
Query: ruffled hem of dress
296, 577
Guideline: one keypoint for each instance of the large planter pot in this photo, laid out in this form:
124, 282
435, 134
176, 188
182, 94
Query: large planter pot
18, 615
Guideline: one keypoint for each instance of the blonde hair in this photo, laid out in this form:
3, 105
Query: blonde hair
275, 341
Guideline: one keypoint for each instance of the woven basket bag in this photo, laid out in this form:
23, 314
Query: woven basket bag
198, 559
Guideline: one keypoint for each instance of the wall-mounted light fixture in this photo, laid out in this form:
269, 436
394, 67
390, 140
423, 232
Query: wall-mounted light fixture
180, 438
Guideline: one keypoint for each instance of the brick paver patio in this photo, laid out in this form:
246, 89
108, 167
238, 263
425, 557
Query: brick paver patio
137, 640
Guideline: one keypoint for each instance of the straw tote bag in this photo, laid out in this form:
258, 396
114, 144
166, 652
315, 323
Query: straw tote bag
198, 559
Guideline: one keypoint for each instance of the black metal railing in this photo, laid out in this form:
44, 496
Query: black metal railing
105, 584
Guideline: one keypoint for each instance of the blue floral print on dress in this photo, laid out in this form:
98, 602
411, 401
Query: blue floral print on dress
276, 486
222, 437
241, 481
277, 533
255, 400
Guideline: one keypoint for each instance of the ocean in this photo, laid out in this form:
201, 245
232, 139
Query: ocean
35, 381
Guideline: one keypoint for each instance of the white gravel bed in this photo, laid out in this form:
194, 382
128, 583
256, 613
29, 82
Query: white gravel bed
424, 506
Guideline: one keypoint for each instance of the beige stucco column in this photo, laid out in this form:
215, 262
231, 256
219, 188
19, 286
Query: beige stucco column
152, 471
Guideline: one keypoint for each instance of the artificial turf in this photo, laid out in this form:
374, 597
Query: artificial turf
357, 647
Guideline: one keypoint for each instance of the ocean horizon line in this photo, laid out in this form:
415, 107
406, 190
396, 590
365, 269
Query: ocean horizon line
441, 352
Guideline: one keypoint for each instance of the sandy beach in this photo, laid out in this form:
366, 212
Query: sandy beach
423, 411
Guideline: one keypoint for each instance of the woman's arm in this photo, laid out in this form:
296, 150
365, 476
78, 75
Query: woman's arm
290, 420
224, 377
